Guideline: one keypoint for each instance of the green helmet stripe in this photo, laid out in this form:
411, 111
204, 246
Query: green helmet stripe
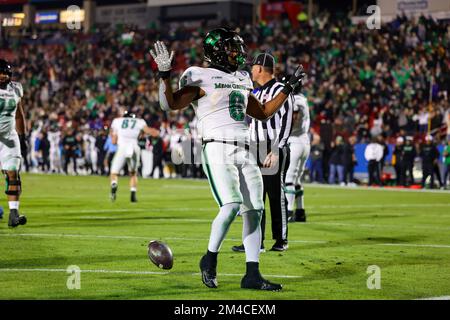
212, 39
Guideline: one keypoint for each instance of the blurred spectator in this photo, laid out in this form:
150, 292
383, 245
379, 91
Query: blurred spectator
374, 154
158, 154
446, 163
70, 146
349, 160
447, 121
381, 141
337, 161
409, 155
100, 142
316, 157
430, 154
44, 151
422, 117
398, 161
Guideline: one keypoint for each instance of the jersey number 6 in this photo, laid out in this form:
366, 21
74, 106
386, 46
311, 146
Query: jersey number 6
10, 106
237, 101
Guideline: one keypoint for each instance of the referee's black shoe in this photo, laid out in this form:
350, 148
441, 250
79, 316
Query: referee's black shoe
299, 216
242, 249
280, 245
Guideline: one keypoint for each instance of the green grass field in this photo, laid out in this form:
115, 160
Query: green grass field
71, 221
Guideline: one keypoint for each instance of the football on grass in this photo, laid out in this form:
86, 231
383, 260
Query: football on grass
160, 254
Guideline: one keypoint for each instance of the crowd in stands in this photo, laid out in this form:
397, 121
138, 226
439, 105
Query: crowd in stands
362, 85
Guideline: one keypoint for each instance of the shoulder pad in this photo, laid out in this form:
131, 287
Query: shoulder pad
191, 77
17, 87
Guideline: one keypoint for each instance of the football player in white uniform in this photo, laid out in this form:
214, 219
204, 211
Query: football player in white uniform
90, 152
54, 136
221, 97
12, 140
299, 145
125, 132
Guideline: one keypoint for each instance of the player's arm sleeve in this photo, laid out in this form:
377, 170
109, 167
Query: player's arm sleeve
189, 91
266, 111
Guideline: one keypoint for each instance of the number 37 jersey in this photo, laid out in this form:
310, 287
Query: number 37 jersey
9, 99
221, 111
127, 130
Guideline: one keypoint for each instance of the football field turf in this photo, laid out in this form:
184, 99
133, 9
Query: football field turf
71, 221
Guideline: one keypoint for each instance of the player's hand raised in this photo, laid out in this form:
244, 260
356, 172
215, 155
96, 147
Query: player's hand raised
162, 57
295, 82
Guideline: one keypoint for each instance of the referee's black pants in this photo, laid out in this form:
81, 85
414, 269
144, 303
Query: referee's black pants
274, 188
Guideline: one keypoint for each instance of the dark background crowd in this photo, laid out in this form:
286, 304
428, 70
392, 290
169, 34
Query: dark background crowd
363, 86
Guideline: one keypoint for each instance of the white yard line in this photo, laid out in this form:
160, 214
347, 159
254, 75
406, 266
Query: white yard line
134, 272
183, 186
149, 210
367, 225
312, 185
240, 275
86, 271
213, 209
88, 236
414, 245
162, 219
387, 206
361, 188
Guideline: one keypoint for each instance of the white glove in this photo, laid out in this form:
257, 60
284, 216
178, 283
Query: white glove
162, 58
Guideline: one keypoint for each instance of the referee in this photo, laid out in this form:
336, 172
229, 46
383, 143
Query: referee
272, 149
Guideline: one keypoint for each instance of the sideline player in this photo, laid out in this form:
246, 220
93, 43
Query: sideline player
12, 140
300, 148
221, 97
125, 132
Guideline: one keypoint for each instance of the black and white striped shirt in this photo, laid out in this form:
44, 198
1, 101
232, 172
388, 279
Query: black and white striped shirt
276, 130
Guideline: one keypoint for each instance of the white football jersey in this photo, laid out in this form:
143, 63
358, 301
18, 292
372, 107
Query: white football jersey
54, 137
90, 142
127, 130
9, 99
300, 128
221, 112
